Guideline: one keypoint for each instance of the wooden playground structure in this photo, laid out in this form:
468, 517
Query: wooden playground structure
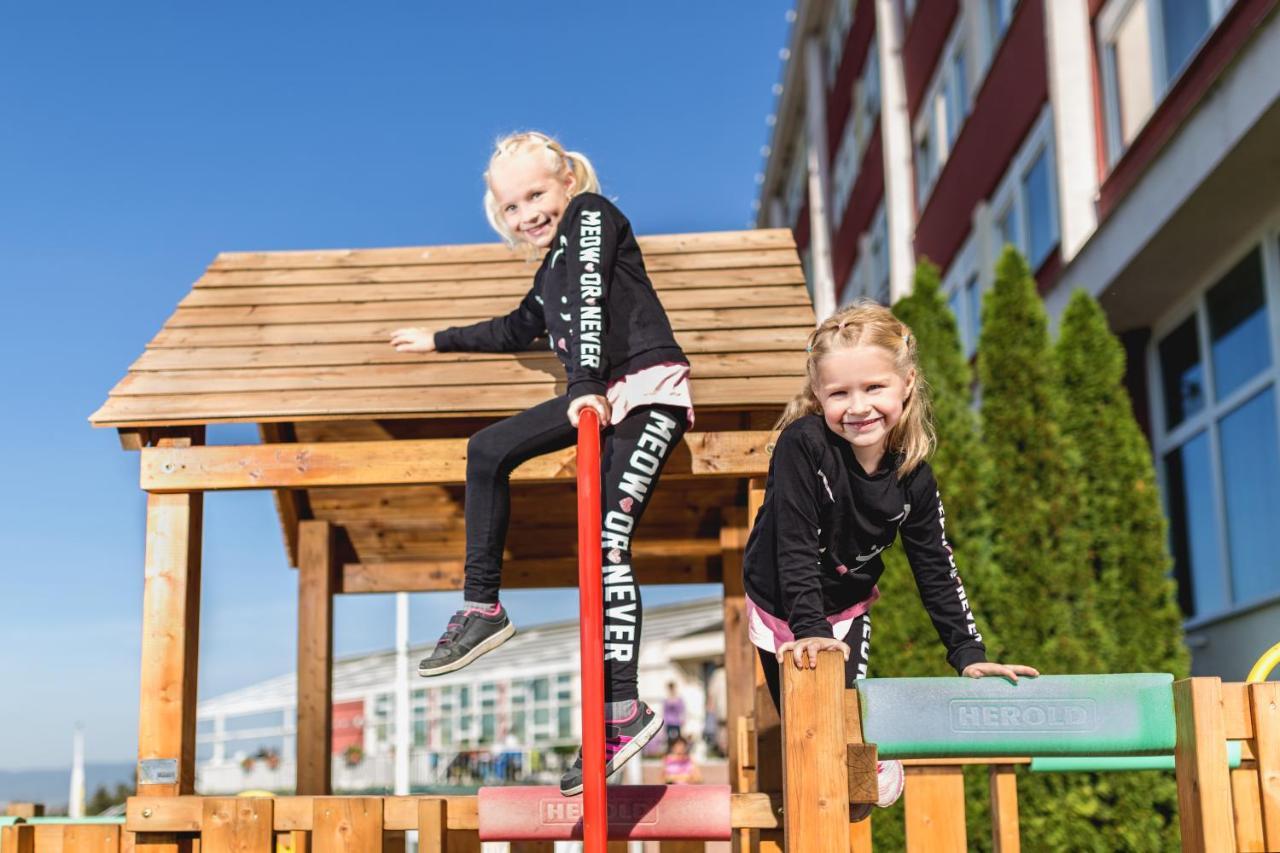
364, 450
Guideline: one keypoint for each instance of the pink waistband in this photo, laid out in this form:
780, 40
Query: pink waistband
769, 632
666, 383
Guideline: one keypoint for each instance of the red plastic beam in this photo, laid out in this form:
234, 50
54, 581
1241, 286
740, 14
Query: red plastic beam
591, 629
636, 813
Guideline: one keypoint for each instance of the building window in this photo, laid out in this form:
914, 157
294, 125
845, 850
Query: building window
848, 159
942, 113
1144, 45
963, 292
1217, 437
868, 95
1027, 200
997, 15
879, 257
837, 33
797, 181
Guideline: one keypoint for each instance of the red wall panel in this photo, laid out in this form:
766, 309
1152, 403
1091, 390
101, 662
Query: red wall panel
1015, 90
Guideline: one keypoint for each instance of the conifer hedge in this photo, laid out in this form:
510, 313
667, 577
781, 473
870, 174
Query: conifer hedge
1122, 519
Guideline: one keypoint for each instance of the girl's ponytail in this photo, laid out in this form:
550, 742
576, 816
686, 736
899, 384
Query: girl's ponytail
558, 163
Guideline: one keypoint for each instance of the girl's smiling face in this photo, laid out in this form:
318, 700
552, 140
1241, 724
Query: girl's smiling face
862, 395
531, 198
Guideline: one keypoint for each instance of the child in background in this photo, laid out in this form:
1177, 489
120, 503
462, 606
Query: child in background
673, 713
849, 474
593, 299
677, 766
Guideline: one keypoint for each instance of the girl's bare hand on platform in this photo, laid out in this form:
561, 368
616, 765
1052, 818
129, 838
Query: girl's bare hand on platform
1010, 671
413, 340
806, 651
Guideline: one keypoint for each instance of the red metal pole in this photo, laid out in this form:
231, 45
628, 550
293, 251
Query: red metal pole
595, 821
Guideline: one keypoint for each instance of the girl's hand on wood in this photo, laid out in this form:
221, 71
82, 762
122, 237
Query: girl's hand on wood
413, 340
806, 651
1010, 671
595, 401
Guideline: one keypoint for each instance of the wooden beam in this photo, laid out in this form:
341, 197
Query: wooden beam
238, 824
1200, 759
185, 814
170, 637
439, 575
317, 582
292, 505
440, 461
815, 780
342, 824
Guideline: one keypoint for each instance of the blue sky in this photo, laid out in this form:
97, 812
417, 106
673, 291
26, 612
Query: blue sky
138, 140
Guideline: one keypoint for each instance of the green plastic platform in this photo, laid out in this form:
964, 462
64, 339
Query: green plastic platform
1052, 715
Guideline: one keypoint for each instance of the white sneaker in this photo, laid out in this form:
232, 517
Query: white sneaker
892, 779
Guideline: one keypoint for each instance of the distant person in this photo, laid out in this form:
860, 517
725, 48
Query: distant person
672, 713
713, 727
603, 320
848, 476
677, 765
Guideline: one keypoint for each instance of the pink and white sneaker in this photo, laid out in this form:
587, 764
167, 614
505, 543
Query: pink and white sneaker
623, 739
890, 779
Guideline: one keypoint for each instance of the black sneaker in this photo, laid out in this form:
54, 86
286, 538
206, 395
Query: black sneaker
622, 741
470, 634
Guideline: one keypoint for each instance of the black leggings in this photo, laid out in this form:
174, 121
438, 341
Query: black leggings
632, 457
859, 642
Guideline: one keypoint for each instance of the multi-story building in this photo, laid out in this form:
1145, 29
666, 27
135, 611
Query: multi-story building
1128, 147
513, 714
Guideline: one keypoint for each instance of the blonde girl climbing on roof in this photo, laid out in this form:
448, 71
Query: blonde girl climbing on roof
593, 301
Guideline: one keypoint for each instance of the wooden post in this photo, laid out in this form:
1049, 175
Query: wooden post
170, 637
815, 776
1200, 758
24, 810
739, 655
238, 824
1004, 809
346, 825
1246, 809
1264, 705
935, 809
317, 579
18, 838
433, 825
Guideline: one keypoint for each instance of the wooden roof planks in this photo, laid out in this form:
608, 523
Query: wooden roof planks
298, 336
297, 342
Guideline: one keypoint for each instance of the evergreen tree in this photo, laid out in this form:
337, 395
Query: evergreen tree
1121, 512
1122, 519
903, 641
1042, 606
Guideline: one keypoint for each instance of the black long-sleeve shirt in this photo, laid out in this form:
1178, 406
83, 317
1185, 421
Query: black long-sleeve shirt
592, 297
815, 548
